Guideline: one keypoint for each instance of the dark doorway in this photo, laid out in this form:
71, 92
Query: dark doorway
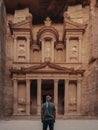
61, 85
47, 89
33, 97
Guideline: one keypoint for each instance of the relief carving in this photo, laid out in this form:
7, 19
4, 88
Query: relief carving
21, 50
21, 105
72, 96
74, 51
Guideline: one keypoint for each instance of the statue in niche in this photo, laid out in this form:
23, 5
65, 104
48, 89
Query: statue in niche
74, 53
21, 49
47, 48
21, 105
72, 97
48, 51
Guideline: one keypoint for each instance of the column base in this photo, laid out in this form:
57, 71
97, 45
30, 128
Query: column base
73, 114
21, 114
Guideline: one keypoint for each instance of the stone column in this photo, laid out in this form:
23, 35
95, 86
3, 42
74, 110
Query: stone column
28, 50
80, 43
27, 97
39, 97
52, 55
56, 94
66, 91
43, 50
15, 48
67, 49
78, 96
15, 105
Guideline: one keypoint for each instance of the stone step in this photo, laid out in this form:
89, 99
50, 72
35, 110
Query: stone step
57, 118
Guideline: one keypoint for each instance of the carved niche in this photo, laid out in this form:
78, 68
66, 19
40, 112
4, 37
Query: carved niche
74, 50
72, 96
21, 49
21, 97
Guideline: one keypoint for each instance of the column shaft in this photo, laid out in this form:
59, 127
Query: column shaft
56, 95
28, 97
15, 49
15, 105
66, 91
28, 50
52, 56
78, 96
39, 97
43, 51
67, 50
80, 43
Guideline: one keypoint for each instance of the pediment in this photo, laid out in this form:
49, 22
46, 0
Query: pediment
26, 24
71, 25
47, 68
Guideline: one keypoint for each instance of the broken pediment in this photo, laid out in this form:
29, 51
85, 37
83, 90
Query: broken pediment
73, 26
26, 24
22, 15
22, 20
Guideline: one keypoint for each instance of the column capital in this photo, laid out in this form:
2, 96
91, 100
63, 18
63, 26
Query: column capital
39, 80
67, 37
80, 37
79, 80
14, 79
27, 79
66, 80
56, 80
27, 37
14, 36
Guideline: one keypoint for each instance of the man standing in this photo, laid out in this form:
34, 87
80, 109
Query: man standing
48, 113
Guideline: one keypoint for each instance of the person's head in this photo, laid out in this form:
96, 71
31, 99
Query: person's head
48, 98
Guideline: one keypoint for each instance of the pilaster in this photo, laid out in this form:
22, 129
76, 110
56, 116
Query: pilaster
15, 105
52, 51
78, 96
15, 48
80, 50
43, 49
27, 96
28, 49
67, 49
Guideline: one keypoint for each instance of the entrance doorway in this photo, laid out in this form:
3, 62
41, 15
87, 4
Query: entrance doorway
47, 89
61, 85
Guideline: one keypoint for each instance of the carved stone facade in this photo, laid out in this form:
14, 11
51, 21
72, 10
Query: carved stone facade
52, 59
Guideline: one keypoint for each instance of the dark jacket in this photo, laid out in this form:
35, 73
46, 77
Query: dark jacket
48, 113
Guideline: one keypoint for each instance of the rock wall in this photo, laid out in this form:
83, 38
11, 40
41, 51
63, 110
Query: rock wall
92, 71
2, 56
